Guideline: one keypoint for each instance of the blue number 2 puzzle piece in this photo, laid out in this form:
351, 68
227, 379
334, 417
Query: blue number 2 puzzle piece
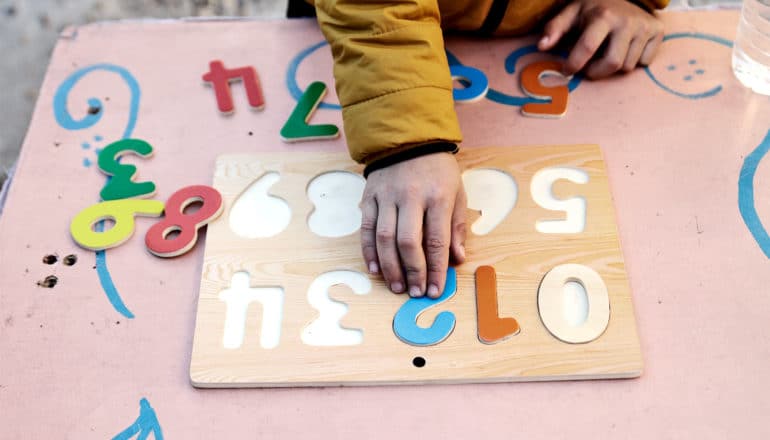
405, 322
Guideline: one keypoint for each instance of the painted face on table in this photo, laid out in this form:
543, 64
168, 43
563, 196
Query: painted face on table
699, 74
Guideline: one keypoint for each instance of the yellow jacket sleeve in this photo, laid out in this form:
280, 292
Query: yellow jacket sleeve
391, 74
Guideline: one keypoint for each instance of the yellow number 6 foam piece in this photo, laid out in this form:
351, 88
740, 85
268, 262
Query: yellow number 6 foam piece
122, 212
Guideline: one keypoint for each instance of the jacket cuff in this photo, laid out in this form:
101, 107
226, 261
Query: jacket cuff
413, 153
400, 121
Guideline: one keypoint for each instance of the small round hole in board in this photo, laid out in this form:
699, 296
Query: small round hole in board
418, 362
70, 260
50, 259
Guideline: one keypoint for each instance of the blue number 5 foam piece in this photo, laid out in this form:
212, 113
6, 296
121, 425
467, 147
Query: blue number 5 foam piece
405, 322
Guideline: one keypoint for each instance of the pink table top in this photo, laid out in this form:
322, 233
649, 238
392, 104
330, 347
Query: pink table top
683, 142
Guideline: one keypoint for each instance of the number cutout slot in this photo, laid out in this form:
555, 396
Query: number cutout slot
238, 298
493, 193
575, 207
551, 303
258, 214
336, 196
326, 330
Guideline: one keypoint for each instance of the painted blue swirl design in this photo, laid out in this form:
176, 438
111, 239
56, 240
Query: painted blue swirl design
146, 424
92, 117
746, 203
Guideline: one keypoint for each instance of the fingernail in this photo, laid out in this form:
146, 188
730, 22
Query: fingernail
374, 268
397, 287
433, 290
414, 292
544, 41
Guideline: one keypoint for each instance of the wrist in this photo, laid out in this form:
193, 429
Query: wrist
412, 153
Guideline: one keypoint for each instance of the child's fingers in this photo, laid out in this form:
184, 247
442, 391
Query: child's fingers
386, 246
592, 38
368, 234
459, 228
614, 56
438, 224
409, 240
650, 49
559, 25
634, 53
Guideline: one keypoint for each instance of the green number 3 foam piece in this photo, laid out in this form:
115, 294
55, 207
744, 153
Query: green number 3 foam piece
122, 185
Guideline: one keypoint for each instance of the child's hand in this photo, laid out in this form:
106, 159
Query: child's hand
413, 213
631, 36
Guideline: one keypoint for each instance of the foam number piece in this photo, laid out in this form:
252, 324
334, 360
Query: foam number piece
122, 185
336, 196
530, 80
257, 214
491, 192
297, 128
220, 78
158, 238
491, 327
238, 298
551, 304
122, 212
476, 90
326, 330
405, 322
542, 193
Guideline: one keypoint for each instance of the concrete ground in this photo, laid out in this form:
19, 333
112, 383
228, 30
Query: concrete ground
29, 28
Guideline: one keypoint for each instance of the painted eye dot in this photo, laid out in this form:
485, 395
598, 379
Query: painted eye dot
671, 67
700, 72
691, 62
688, 77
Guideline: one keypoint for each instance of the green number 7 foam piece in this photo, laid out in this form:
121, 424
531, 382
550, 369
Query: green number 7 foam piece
297, 128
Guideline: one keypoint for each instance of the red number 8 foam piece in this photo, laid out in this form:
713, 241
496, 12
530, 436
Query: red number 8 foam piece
159, 240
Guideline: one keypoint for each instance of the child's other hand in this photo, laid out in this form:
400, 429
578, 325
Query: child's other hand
413, 215
631, 36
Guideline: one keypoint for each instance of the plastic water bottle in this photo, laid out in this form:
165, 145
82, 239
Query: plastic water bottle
751, 51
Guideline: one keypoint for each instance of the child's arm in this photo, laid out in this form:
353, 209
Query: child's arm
631, 35
394, 85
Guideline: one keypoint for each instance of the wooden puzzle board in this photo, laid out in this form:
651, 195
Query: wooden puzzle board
81, 361
521, 256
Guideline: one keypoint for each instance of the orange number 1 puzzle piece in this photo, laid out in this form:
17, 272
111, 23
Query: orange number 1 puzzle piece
492, 328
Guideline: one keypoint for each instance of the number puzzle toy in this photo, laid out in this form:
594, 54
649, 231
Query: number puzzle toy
285, 298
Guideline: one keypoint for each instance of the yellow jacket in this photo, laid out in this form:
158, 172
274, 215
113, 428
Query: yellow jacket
391, 70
